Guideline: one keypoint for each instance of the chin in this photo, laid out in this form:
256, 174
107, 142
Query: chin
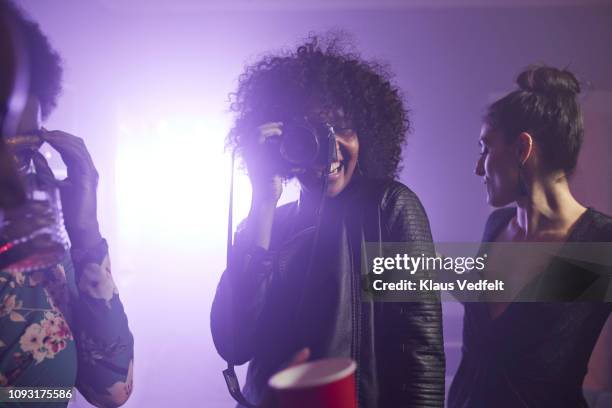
497, 201
334, 191
337, 186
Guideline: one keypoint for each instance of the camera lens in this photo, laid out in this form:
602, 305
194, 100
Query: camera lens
300, 144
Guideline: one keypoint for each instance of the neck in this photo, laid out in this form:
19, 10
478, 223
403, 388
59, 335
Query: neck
548, 209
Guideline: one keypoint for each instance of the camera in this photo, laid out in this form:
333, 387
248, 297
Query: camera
23, 147
301, 145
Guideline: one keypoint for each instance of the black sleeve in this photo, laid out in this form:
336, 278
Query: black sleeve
412, 362
239, 301
103, 338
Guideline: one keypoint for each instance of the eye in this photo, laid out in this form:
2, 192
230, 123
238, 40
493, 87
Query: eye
483, 149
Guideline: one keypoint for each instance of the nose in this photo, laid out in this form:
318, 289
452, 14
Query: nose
479, 170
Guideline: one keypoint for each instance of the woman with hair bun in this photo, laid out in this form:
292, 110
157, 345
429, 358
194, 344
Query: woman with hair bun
520, 354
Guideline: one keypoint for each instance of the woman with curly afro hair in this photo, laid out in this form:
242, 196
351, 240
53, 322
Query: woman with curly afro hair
293, 288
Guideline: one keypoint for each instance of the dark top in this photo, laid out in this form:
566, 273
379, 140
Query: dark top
398, 346
533, 354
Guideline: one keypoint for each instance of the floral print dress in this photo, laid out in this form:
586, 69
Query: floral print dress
65, 327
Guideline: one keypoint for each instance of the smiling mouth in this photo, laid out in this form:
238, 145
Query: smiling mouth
335, 167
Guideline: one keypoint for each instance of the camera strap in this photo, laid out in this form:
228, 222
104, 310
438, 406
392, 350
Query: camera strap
229, 374
332, 156
231, 379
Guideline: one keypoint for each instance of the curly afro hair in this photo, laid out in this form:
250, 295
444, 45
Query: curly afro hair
283, 85
45, 64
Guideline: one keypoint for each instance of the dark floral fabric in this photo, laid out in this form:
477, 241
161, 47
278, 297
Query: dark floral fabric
62, 327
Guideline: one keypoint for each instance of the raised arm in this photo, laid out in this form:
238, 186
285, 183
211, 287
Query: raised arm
104, 342
241, 292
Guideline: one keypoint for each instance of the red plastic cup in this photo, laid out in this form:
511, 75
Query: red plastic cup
326, 383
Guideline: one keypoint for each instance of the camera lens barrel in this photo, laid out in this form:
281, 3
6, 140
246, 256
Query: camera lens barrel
300, 144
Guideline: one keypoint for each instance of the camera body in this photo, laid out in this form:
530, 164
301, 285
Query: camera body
301, 145
23, 147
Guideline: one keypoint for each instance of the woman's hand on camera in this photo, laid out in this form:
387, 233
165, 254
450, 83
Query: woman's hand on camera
266, 182
78, 190
267, 185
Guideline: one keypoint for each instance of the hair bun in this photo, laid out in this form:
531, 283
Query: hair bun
548, 80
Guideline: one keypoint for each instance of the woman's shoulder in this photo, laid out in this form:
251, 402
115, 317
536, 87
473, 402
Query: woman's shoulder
392, 193
599, 226
400, 207
497, 220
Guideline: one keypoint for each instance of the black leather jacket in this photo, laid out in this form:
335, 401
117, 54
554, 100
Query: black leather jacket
398, 346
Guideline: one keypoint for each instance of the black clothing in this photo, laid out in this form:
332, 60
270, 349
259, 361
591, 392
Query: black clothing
398, 346
533, 354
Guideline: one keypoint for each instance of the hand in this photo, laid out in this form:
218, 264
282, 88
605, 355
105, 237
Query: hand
298, 358
78, 190
267, 184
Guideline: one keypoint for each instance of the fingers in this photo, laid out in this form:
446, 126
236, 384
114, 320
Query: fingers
300, 357
269, 401
258, 157
73, 152
43, 171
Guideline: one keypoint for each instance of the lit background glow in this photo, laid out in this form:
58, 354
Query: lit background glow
146, 86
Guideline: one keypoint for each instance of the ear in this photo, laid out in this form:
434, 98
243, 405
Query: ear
524, 148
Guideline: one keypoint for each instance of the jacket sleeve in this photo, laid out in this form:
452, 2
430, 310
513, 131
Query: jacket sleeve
104, 342
239, 301
412, 362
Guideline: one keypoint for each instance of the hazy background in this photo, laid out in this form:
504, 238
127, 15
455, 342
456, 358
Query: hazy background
146, 86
